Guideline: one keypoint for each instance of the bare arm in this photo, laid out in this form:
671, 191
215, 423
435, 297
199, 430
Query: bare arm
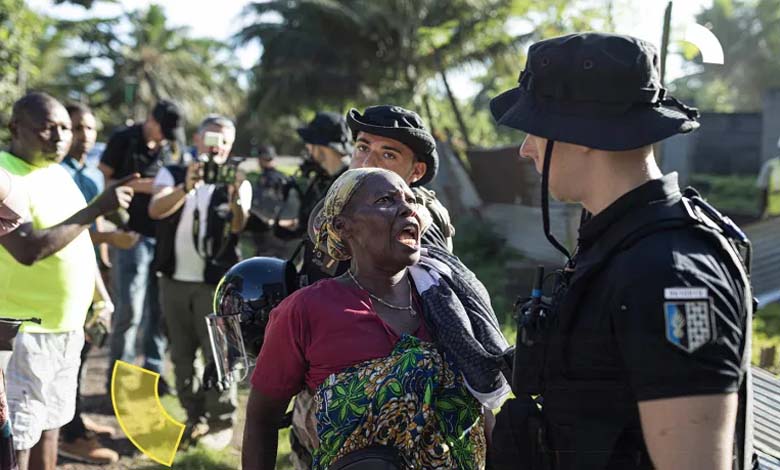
143, 185
28, 245
690, 432
139, 185
261, 432
168, 199
101, 293
240, 216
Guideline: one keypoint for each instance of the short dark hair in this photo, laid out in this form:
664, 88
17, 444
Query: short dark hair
33, 101
75, 107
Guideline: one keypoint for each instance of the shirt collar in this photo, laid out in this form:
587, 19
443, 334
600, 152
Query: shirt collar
73, 163
662, 189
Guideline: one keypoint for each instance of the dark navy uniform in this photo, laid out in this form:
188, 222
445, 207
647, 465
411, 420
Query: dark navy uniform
651, 307
655, 303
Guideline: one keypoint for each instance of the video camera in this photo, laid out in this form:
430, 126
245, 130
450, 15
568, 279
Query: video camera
214, 172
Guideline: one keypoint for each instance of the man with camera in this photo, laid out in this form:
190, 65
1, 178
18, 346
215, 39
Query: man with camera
201, 209
143, 148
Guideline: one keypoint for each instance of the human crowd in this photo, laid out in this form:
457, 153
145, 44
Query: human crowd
387, 343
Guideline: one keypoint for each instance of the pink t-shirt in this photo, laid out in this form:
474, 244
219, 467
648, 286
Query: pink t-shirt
320, 330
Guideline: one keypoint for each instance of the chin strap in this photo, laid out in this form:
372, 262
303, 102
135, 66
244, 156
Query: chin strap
546, 201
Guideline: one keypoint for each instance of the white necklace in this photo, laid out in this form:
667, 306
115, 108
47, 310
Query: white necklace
408, 308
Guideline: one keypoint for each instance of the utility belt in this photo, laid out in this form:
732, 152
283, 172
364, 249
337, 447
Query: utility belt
523, 432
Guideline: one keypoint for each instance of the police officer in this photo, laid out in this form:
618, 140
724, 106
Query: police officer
328, 148
644, 347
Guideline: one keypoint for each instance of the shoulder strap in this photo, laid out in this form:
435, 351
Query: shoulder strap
734, 244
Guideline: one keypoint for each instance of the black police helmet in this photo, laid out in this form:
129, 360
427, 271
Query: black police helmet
251, 289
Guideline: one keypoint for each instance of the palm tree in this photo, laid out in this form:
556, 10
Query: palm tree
124, 74
331, 52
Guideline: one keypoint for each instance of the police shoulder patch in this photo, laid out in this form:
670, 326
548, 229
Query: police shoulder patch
689, 318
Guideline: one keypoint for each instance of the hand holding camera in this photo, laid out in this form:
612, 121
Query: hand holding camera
193, 177
214, 171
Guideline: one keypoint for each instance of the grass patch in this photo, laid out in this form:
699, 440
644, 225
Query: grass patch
731, 194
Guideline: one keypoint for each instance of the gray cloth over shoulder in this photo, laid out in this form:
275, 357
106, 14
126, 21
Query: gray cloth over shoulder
458, 311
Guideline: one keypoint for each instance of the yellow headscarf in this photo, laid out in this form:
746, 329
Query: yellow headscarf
337, 198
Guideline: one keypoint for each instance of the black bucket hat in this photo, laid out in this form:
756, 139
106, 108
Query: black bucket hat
171, 120
397, 123
598, 90
328, 129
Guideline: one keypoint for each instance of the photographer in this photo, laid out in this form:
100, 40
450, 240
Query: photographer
143, 148
201, 209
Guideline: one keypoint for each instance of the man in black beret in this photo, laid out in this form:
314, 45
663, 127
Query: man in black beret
396, 139
642, 358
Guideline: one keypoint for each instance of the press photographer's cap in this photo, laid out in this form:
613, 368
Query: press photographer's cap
329, 129
598, 90
171, 120
403, 125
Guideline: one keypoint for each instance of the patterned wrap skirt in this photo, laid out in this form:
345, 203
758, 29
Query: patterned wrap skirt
413, 401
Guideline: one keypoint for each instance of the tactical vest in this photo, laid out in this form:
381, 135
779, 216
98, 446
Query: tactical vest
220, 250
545, 361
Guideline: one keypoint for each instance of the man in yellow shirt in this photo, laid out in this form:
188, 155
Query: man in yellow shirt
769, 184
47, 270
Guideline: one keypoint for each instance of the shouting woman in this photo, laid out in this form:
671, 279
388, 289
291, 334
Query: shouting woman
402, 353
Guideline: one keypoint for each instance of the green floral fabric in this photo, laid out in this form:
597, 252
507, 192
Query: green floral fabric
413, 400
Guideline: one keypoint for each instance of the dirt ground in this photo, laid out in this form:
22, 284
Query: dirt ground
97, 404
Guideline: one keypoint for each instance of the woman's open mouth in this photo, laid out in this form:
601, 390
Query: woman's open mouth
410, 235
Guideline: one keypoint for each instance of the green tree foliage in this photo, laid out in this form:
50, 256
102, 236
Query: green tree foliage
336, 53
122, 66
19, 29
749, 31
326, 52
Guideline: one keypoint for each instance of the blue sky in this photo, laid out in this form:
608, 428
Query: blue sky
221, 19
